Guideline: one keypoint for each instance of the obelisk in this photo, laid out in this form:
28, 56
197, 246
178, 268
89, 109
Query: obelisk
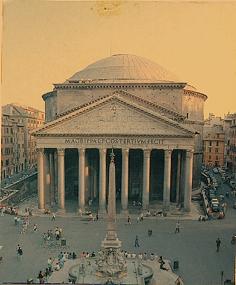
111, 240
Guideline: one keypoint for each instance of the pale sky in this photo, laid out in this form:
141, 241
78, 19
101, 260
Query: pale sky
46, 42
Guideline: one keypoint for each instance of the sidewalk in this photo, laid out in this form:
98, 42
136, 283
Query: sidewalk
174, 212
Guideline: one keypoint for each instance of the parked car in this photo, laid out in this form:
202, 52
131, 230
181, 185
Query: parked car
215, 207
234, 205
222, 197
215, 201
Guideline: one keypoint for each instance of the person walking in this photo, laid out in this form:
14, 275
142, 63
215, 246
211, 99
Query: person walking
136, 242
35, 228
53, 216
177, 227
19, 251
129, 220
218, 243
96, 216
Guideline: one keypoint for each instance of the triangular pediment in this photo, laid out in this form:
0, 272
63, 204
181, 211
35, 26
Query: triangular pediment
114, 115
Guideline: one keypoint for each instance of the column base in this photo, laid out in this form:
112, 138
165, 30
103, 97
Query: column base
145, 207
80, 211
165, 208
102, 211
124, 212
61, 211
42, 210
186, 210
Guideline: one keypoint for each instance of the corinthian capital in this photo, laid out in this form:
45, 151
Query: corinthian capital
60, 151
168, 153
189, 153
146, 153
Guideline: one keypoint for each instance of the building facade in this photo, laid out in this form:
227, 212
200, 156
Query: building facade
12, 147
18, 146
153, 121
214, 146
232, 143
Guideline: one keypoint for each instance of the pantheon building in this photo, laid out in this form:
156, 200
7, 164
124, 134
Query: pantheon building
152, 120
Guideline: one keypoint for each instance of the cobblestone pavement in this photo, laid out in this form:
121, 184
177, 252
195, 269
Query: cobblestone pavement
194, 247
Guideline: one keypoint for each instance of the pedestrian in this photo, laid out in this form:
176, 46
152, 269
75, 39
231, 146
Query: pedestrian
53, 216
60, 232
129, 220
96, 216
149, 232
2, 211
57, 233
141, 217
50, 263
35, 228
19, 251
40, 277
218, 242
138, 219
177, 227
136, 242
16, 220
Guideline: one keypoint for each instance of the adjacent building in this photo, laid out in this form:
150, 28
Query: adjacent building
232, 145
152, 120
214, 145
18, 151
219, 141
12, 146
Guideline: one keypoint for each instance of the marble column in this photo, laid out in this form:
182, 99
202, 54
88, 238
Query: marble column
167, 179
146, 178
125, 179
47, 178
102, 179
61, 178
41, 195
178, 178
56, 177
52, 178
188, 180
81, 178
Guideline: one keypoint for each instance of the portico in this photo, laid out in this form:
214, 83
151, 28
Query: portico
90, 163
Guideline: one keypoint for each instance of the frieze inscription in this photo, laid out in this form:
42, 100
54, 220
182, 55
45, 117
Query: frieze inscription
122, 141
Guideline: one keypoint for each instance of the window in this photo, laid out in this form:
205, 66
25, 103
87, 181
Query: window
209, 149
210, 143
209, 157
217, 143
216, 157
216, 150
217, 136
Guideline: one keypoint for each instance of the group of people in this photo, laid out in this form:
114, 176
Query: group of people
23, 222
54, 265
51, 235
9, 210
87, 254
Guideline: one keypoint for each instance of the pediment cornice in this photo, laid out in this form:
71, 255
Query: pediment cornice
110, 99
170, 113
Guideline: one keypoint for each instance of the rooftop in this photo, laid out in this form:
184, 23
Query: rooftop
124, 68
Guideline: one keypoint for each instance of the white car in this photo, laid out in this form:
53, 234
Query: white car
214, 201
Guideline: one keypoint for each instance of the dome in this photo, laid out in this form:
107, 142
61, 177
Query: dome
125, 68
